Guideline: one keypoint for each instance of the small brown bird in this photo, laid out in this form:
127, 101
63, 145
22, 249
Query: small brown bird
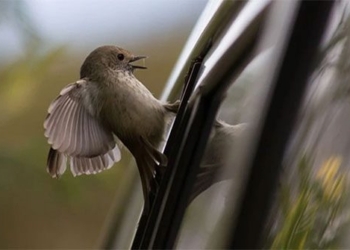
86, 121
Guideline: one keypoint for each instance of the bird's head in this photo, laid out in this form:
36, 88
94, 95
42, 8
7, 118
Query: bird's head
109, 57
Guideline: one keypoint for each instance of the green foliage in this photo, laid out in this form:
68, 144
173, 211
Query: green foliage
312, 211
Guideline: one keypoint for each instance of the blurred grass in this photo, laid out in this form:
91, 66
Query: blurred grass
313, 212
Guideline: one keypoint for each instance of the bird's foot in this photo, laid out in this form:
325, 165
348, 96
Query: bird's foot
172, 107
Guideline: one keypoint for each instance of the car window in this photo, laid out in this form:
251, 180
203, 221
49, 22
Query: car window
242, 109
234, 152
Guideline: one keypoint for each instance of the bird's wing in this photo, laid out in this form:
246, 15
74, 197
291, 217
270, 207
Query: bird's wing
71, 129
57, 163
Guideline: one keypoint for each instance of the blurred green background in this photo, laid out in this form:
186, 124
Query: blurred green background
43, 44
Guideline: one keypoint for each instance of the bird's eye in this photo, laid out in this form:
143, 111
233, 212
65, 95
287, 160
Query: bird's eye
121, 57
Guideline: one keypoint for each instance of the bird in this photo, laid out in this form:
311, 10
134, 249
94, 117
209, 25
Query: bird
223, 139
108, 107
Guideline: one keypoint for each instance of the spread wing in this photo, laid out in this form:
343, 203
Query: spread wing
73, 131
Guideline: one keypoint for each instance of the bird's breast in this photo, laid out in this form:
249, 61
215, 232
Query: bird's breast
130, 109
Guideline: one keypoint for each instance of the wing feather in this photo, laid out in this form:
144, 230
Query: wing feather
71, 129
56, 163
75, 134
83, 165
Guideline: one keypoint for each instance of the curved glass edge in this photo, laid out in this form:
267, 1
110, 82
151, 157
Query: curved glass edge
208, 24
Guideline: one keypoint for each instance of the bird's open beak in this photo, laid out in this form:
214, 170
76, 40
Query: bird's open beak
136, 58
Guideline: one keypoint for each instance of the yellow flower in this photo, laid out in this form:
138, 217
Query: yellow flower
333, 185
329, 169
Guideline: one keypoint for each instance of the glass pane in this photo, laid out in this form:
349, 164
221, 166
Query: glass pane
311, 209
205, 215
208, 217
238, 117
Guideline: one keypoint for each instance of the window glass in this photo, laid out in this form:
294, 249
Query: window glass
236, 114
311, 209
208, 218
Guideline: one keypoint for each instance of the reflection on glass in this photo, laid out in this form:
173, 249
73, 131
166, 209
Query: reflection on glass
206, 218
310, 209
223, 138
312, 203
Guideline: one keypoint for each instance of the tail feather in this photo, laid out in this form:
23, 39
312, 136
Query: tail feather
147, 157
154, 153
146, 166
